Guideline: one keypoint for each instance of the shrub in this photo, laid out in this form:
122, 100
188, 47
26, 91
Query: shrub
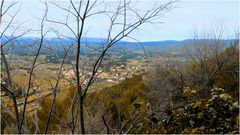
217, 114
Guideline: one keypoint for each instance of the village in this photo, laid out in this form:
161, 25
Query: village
114, 73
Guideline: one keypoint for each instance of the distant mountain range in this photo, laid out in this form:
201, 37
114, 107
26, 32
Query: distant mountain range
149, 46
87, 40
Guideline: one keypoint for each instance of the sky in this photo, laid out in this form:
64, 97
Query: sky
178, 24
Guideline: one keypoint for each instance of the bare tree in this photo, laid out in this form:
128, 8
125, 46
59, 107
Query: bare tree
124, 15
10, 87
206, 52
83, 10
166, 78
42, 35
56, 87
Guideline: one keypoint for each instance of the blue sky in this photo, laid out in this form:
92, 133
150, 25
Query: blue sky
178, 24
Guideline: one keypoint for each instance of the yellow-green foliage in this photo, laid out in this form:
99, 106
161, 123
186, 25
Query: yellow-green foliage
100, 85
217, 114
121, 98
60, 110
228, 77
123, 94
6, 120
189, 92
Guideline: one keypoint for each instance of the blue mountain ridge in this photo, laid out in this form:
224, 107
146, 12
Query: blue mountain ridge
149, 46
86, 40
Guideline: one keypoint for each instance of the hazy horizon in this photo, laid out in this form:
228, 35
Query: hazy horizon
178, 24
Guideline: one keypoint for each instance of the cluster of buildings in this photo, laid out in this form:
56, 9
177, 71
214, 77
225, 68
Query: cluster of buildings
116, 73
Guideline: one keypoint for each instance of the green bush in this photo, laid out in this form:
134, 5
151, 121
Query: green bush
217, 114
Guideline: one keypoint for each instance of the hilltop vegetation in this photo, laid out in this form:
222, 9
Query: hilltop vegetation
158, 101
